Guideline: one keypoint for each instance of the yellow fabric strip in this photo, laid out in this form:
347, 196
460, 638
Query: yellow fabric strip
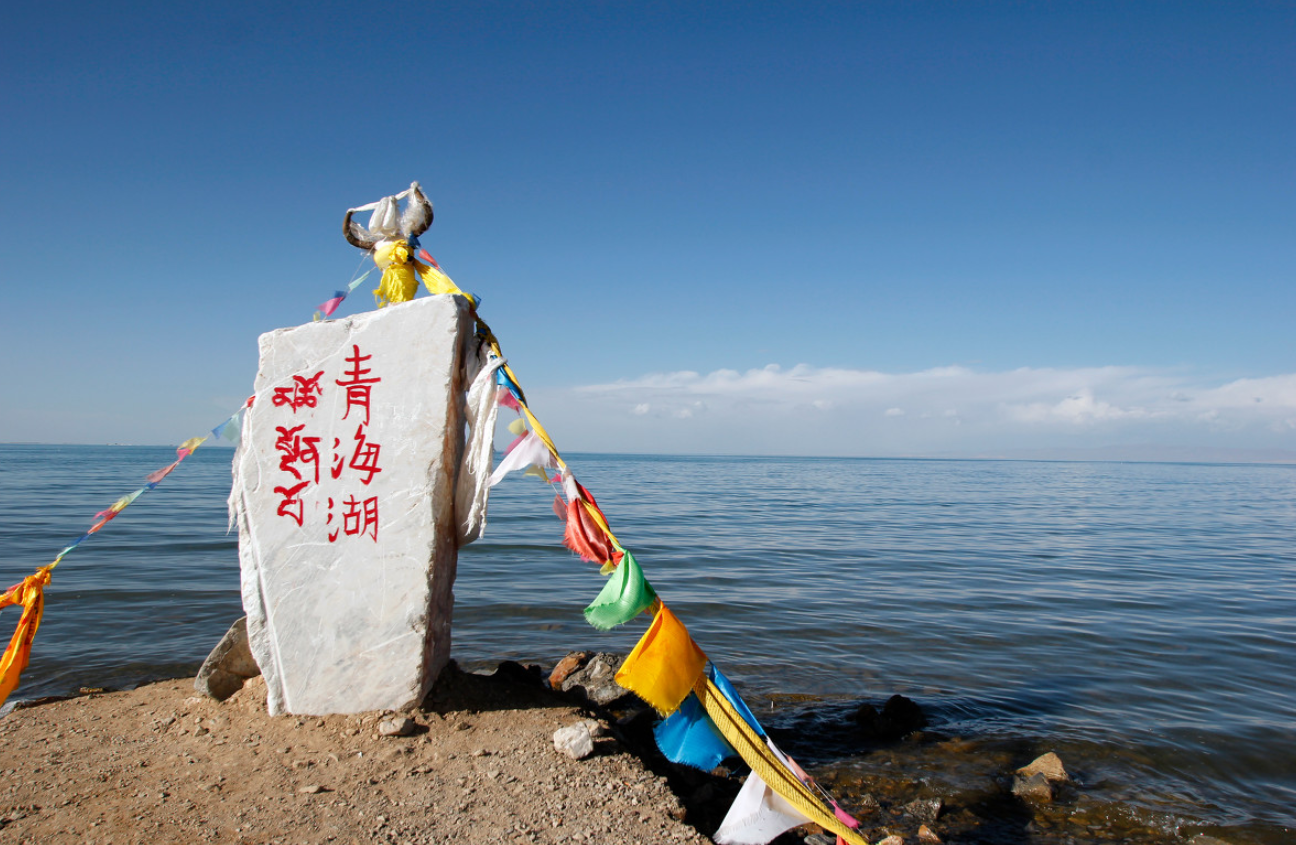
31, 595
756, 753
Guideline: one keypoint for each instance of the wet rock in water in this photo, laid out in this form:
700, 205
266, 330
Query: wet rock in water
900, 716
927, 835
893, 839
866, 805
596, 680
820, 839
924, 809
566, 666
1049, 765
574, 741
396, 726
1203, 839
229, 665
1034, 787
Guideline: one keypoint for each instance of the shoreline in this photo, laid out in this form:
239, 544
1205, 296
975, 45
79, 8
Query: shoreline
163, 763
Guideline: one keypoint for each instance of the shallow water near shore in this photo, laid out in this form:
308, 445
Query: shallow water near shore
1135, 618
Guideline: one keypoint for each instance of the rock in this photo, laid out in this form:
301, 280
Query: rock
396, 726
926, 834
229, 665
893, 839
344, 495
513, 672
596, 680
566, 666
924, 809
866, 805
900, 716
595, 728
574, 741
1203, 839
1036, 787
820, 839
1049, 765
313, 789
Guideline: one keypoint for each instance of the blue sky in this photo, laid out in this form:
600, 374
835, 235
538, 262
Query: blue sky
812, 228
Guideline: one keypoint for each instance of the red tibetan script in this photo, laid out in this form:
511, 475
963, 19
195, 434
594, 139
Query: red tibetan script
292, 505
297, 449
303, 393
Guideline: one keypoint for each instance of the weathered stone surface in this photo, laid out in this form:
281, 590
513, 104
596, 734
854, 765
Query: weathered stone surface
1034, 787
229, 665
574, 741
596, 680
1049, 765
927, 835
344, 496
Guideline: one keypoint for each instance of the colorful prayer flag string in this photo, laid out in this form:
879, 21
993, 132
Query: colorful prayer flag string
666, 666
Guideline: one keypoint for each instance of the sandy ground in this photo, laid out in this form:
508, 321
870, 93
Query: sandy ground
162, 764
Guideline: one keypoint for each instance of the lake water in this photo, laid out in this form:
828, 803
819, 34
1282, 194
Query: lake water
1140, 619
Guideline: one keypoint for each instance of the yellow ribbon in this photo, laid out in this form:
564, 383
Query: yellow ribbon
756, 753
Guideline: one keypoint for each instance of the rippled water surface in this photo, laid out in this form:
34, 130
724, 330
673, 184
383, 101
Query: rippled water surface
1140, 619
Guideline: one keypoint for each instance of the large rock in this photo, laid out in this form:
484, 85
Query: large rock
344, 496
229, 665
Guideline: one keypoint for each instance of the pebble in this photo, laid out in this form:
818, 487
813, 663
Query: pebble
396, 726
574, 741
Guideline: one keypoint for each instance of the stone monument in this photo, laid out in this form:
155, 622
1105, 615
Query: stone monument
344, 497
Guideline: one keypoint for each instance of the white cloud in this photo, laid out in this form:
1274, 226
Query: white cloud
837, 410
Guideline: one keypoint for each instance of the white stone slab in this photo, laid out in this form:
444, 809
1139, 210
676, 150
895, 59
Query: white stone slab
347, 542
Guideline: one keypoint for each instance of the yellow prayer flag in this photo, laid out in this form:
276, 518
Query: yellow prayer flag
664, 665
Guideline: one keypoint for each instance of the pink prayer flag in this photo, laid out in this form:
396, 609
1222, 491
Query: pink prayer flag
331, 305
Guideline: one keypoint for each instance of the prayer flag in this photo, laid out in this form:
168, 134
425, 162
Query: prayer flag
689, 737
529, 450
664, 665
331, 305
30, 593
625, 595
731, 694
757, 815
584, 534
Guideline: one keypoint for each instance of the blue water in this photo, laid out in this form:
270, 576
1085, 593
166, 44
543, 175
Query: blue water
1138, 618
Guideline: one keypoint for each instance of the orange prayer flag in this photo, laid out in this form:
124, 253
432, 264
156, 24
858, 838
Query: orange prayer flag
30, 594
665, 664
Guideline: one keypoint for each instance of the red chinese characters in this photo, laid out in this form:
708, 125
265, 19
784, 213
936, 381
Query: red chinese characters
349, 512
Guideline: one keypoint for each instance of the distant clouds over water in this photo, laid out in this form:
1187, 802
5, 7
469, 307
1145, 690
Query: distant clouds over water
944, 410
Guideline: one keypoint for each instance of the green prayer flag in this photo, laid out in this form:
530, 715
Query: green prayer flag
625, 595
